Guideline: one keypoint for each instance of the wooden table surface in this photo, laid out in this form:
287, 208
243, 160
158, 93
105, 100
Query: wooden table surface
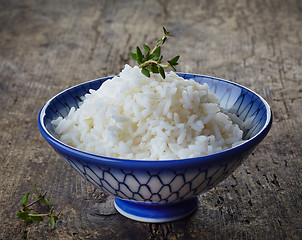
48, 46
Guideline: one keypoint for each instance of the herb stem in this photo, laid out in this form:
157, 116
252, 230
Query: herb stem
153, 50
27, 214
152, 61
37, 200
159, 43
39, 214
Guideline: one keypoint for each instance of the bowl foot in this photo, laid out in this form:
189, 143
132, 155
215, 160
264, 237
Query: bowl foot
155, 213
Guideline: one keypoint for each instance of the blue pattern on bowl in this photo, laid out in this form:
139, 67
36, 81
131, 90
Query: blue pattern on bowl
170, 184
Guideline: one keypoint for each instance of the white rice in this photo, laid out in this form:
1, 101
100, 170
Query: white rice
135, 117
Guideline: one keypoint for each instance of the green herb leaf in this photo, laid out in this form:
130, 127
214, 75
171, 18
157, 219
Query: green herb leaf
146, 47
147, 57
174, 60
139, 54
154, 68
52, 222
171, 66
25, 199
160, 42
145, 72
156, 53
36, 218
160, 58
154, 57
26, 209
47, 202
133, 55
162, 72
165, 31
23, 216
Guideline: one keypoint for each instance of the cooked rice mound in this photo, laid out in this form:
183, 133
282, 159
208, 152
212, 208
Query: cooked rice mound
132, 116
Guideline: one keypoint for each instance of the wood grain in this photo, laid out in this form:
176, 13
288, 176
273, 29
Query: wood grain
47, 46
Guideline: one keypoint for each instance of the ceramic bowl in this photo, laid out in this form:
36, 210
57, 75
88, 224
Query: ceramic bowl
160, 191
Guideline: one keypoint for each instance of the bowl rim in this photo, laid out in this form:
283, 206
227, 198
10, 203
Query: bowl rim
155, 164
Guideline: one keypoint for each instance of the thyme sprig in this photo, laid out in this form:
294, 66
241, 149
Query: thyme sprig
152, 60
26, 213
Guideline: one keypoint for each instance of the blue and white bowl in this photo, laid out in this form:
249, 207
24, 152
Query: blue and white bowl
166, 190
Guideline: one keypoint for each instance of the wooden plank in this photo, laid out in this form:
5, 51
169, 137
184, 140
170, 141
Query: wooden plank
47, 46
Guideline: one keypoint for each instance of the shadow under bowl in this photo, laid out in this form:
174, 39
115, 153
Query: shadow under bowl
165, 190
